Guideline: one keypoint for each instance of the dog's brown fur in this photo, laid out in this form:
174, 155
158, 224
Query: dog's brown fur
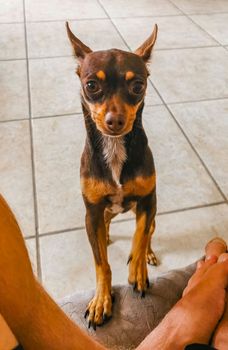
117, 168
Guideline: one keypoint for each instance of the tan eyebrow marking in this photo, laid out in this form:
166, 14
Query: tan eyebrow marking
129, 75
101, 75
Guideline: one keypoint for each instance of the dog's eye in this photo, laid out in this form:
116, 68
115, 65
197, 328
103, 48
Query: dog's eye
92, 86
138, 87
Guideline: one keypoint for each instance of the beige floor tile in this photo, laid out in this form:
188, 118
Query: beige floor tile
97, 34
202, 6
11, 11
191, 74
173, 32
206, 124
128, 8
215, 24
58, 144
181, 179
180, 238
58, 9
54, 86
13, 90
16, 174
12, 41
31, 246
73, 268
67, 263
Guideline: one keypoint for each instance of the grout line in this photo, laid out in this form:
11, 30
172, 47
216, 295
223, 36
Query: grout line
171, 15
187, 47
39, 272
50, 57
68, 19
118, 17
27, 238
175, 211
156, 50
12, 59
13, 120
57, 232
58, 115
192, 208
99, 18
44, 117
200, 100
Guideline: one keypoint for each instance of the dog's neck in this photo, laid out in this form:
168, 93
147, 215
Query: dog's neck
112, 151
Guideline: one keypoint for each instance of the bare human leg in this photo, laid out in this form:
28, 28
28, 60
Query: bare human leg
34, 318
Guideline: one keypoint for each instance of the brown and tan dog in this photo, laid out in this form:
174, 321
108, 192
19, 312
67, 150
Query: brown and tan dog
117, 167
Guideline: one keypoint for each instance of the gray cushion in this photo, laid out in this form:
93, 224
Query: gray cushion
133, 317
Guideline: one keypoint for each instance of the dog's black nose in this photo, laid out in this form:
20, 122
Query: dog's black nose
114, 122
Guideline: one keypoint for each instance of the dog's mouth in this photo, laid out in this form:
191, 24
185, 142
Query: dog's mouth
113, 134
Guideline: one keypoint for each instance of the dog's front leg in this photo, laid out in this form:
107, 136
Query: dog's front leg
100, 307
145, 213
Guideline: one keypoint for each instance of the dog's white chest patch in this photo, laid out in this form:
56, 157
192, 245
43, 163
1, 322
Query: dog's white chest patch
115, 155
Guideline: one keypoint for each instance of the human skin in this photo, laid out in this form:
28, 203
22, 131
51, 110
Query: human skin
220, 337
185, 323
34, 318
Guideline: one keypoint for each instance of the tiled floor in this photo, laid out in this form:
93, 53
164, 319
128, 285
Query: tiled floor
42, 131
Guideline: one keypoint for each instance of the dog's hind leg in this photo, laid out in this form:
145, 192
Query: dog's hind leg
138, 274
150, 256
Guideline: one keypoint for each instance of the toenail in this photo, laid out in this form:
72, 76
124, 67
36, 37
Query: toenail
223, 257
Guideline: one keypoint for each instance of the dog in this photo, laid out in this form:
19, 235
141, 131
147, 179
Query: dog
117, 167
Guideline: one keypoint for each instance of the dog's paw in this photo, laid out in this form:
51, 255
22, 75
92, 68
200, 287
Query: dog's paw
151, 258
99, 309
138, 275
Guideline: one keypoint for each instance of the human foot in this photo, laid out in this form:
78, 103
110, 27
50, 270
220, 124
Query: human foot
213, 250
220, 337
185, 323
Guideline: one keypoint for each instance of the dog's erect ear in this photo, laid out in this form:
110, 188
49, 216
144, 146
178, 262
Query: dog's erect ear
80, 49
145, 49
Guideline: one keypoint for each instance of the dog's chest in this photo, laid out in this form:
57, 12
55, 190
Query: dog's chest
116, 201
115, 155
114, 152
